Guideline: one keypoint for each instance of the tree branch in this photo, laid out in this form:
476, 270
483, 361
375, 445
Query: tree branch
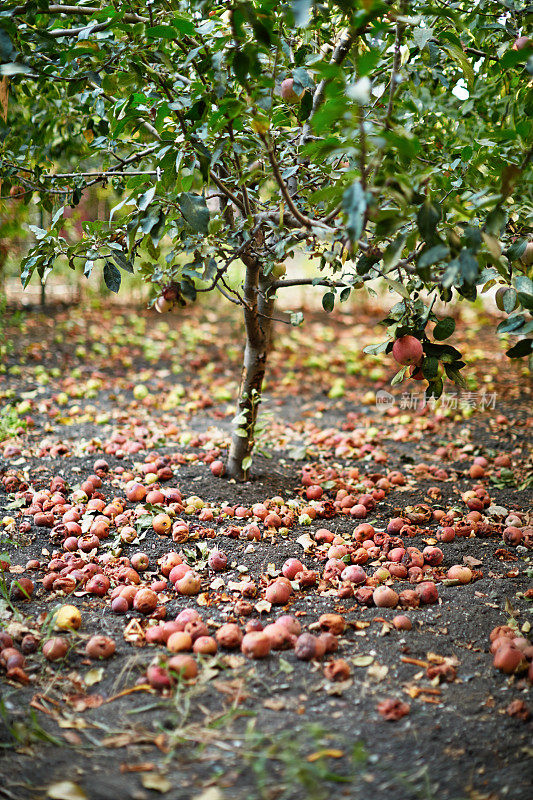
400, 27
308, 282
80, 11
296, 213
339, 54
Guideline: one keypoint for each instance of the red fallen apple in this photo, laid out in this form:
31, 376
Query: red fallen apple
291, 568
161, 524
179, 641
432, 555
55, 649
22, 589
145, 601
218, 468
407, 350
332, 623
385, 597
205, 645
119, 605
190, 584
158, 678
140, 561
188, 615
354, 574
402, 623
256, 644
100, 647
229, 636
307, 647
136, 492
291, 623
460, 572
168, 561
178, 572
155, 635
428, 592
278, 592
184, 666
508, 658
338, 670
218, 560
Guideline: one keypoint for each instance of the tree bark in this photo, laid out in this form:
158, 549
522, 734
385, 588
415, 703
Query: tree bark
258, 325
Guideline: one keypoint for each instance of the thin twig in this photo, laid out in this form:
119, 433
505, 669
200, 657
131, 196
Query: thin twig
400, 27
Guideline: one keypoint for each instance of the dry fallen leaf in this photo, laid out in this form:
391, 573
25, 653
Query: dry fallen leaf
377, 672
66, 790
306, 542
212, 793
362, 661
93, 676
274, 705
156, 782
325, 754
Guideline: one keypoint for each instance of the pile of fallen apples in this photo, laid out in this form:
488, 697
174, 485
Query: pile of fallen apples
89, 534
512, 651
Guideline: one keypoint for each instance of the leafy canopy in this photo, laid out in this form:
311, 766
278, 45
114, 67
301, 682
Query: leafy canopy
406, 156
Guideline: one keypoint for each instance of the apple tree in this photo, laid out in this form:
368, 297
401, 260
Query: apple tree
380, 139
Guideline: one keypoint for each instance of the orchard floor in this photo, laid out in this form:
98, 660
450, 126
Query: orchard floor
275, 728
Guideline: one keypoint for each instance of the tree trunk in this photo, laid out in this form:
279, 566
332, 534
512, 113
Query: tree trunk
258, 324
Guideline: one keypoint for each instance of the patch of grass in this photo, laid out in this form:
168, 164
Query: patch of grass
304, 760
26, 731
10, 422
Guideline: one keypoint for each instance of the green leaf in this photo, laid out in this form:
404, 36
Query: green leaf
460, 58
392, 254
422, 36
354, 204
400, 375
496, 221
195, 211
468, 265
161, 32
328, 301
428, 217
430, 367
184, 26
444, 328
246, 463
516, 250
434, 388
123, 262
520, 349
512, 324
145, 199
432, 255
398, 287
375, 349
112, 277
301, 11
241, 65
454, 375
524, 287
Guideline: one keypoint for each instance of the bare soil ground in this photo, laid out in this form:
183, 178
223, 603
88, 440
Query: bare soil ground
275, 728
